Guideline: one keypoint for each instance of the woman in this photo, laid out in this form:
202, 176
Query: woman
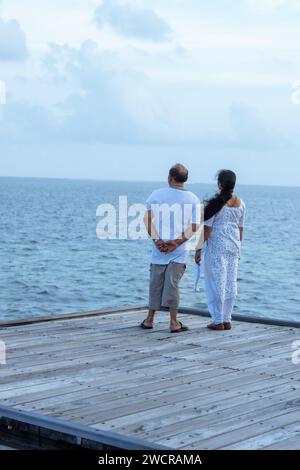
223, 234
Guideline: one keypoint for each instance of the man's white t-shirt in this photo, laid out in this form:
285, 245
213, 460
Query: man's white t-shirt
174, 211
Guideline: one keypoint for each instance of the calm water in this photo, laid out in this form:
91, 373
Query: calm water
52, 262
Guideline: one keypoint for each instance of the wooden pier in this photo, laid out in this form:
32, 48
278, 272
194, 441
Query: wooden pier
96, 379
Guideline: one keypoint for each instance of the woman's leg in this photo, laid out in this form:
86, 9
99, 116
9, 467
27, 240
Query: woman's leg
216, 311
215, 283
231, 287
228, 309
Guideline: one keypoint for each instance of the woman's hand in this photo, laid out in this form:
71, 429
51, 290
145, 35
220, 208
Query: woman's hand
198, 257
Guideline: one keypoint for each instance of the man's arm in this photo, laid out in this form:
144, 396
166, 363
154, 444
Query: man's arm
152, 232
185, 237
148, 221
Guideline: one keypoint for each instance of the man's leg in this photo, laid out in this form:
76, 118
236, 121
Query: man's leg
157, 278
170, 297
150, 318
174, 323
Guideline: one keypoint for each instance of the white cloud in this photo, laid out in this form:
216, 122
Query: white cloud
131, 21
107, 101
136, 87
12, 41
158, 95
103, 102
271, 6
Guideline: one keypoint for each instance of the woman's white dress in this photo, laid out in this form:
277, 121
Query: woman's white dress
221, 260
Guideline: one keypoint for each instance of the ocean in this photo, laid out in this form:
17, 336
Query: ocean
51, 260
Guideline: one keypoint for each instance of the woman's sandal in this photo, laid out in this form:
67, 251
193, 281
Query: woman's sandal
181, 329
214, 327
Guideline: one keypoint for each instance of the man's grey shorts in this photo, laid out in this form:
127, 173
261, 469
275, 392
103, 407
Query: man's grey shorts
164, 285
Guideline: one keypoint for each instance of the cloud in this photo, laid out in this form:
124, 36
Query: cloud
131, 21
12, 41
105, 100
101, 108
251, 10
249, 131
271, 6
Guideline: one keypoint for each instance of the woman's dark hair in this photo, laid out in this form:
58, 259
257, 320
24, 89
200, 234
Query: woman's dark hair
227, 182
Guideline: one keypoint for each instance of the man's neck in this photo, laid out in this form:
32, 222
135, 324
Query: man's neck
177, 186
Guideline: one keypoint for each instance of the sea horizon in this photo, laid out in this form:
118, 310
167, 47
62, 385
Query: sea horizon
109, 180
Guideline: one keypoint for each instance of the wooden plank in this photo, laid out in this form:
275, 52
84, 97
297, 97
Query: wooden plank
108, 375
250, 437
276, 430
109, 336
103, 399
290, 443
116, 384
86, 324
97, 412
105, 371
167, 422
66, 316
139, 340
181, 376
212, 425
137, 420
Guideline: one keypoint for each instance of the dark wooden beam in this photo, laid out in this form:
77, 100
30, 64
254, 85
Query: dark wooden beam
37, 426
71, 316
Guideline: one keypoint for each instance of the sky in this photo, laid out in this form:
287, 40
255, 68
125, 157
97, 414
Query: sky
122, 89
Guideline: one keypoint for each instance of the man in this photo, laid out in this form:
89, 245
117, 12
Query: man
173, 217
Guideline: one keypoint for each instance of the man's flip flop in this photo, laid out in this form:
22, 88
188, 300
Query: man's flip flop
180, 330
145, 327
